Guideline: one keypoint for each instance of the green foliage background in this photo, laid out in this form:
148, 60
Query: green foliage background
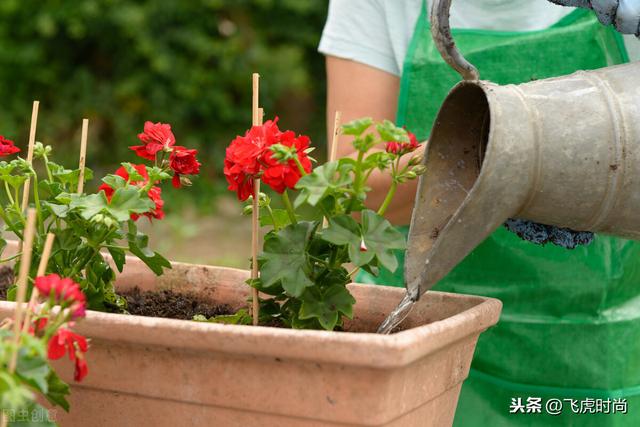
188, 63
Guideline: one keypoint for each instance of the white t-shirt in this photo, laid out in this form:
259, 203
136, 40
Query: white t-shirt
378, 32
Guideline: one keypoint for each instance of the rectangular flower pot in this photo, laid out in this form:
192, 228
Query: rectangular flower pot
162, 372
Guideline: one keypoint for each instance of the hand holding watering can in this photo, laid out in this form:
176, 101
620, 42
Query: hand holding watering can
624, 14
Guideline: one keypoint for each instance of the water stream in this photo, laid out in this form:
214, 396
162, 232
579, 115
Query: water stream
398, 314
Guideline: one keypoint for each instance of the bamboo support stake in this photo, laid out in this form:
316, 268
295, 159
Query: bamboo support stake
83, 154
332, 149
42, 270
25, 265
255, 215
32, 141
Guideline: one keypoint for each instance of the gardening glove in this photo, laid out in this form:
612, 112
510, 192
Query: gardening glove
625, 14
541, 234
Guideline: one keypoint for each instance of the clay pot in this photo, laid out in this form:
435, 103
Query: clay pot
161, 372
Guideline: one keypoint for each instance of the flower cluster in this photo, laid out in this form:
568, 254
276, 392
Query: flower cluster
63, 303
65, 292
159, 146
158, 138
401, 148
279, 158
7, 147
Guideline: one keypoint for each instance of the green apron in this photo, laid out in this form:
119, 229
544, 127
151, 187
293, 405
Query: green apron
570, 327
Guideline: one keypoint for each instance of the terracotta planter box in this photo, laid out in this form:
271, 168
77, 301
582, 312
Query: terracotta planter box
162, 372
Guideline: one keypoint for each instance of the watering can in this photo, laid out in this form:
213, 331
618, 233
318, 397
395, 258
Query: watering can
563, 151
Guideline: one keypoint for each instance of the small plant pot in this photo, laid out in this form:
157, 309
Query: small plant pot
147, 371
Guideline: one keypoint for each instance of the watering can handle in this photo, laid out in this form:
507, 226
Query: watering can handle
441, 32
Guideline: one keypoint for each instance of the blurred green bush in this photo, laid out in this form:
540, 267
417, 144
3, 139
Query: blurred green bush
188, 63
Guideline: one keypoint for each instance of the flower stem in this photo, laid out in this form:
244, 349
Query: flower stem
387, 200
300, 167
6, 187
357, 181
289, 207
273, 219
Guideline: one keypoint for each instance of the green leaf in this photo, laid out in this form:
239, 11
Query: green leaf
58, 390
114, 181
33, 369
241, 317
284, 258
70, 177
327, 305
13, 394
157, 174
128, 200
153, 260
118, 256
377, 235
323, 181
357, 127
134, 175
388, 131
280, 216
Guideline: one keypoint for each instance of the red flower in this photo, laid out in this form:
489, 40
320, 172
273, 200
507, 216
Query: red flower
76, 345
156, 137
242, 160
7, 147
280, 176
155, 193
183, 162
65, 291
402, 148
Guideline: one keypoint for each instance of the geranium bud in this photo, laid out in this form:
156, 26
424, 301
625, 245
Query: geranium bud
411, 175
247, 210
419, 170
363, 246
184, 181
416, 160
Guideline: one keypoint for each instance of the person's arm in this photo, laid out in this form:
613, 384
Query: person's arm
358, 90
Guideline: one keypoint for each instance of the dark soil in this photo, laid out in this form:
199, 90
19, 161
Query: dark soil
171, 305
6, 281
165, 303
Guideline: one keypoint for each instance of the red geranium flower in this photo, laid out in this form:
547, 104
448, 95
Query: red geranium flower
242, 160
64, 291
183, 162
155, 193
280, 175
156, 137
7, 147
402, 148
76, 345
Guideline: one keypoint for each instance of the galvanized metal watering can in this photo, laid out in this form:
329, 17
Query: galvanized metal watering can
562, 151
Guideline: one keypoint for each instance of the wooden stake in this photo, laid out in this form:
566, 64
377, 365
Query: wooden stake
42, 270
256, 120
25, 265
32, 141
83, 154
332, 149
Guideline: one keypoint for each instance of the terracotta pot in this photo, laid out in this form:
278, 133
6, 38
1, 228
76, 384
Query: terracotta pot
162, 372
